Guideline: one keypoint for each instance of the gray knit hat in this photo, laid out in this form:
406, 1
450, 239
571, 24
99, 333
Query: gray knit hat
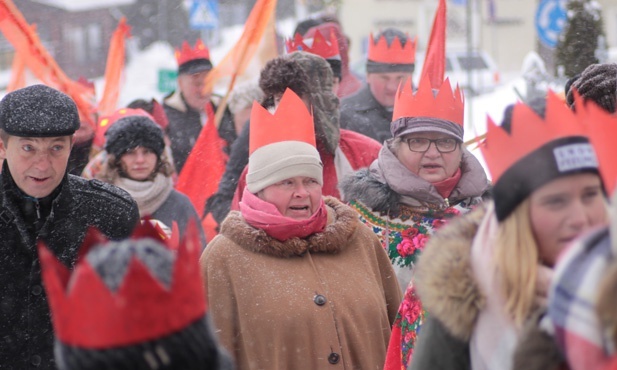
598, 82
38, 111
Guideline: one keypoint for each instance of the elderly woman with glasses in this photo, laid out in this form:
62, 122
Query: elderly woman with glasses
423, 176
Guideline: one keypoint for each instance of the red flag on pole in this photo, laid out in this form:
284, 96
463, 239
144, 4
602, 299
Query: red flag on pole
435, 59
204, 167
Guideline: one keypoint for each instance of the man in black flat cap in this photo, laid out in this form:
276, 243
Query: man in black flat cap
39, 200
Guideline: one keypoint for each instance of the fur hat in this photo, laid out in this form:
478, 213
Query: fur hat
598, 82
38, 111
133, 131
145, 303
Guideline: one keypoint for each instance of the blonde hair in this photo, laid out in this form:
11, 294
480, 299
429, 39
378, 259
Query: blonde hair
516, 257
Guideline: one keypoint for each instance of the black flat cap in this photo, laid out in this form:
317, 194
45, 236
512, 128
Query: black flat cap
38, 111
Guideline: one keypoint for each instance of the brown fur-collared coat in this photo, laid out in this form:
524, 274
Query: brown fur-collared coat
327, 301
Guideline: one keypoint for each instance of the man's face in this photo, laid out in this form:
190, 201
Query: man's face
192, 86
37, 164
384, 86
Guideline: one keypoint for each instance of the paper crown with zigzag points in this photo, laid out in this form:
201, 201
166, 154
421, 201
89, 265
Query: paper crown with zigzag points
318, 45
398, 52
535, 151
86, 313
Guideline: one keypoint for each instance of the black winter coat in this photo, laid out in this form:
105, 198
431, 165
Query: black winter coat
361, 113
185, 125
26, 336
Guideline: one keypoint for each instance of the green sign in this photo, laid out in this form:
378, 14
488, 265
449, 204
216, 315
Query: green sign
167, 80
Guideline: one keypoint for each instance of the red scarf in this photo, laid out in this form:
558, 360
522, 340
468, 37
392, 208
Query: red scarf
445, 187
263, 215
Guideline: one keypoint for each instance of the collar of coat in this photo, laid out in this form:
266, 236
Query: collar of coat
342, 223
444, 278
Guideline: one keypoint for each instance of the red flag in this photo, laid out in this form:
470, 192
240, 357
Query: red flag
204, 167
435, 59
25, 41
113, 69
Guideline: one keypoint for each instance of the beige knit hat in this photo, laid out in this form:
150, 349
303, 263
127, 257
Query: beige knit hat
282, 145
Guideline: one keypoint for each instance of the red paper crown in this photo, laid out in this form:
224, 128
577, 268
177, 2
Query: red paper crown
528, 133
85, 313
602, 131
447, 105
186, 54
318, 45
107, 121
396, 53
292, 121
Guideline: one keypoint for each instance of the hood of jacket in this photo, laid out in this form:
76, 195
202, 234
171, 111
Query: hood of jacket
370, 187
342, 223
444, 279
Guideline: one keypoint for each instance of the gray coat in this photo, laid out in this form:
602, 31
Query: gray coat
361, 113
26, 336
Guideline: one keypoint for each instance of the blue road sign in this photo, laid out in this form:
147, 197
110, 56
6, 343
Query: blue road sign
551, 18
204, 14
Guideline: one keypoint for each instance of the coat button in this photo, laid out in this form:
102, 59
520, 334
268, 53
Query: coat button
334, 358
319, 300
35, 360
37, 290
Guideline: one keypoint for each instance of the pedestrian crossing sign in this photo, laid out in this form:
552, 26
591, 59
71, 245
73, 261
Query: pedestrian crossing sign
204, 14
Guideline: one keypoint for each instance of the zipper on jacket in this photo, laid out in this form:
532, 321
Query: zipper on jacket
447, 202
37, 205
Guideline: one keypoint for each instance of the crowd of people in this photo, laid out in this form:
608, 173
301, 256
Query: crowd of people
354, 228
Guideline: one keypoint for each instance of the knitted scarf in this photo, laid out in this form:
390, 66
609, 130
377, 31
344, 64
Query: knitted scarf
265, 216
149, 195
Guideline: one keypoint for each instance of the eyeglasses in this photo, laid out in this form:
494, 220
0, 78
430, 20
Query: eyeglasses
421, 145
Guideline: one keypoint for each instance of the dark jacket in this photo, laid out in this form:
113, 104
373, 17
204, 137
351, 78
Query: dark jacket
185, 125
361, 113
26, 336
178, 208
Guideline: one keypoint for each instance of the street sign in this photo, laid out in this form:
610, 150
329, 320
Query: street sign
167, 80
204, 14
551, 18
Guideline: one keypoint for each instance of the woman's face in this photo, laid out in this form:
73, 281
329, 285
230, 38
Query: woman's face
431, 165
297, 197
564, 209
139, 163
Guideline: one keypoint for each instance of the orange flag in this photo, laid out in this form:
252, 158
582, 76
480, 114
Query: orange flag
204, 167
435, 60
114, 68
39, 61
18, 77
238, 58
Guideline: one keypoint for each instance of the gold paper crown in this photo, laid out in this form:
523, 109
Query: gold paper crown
397, 53
528, 132
446, 105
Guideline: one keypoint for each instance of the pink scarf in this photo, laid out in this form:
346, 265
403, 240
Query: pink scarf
263, 215
445, 187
